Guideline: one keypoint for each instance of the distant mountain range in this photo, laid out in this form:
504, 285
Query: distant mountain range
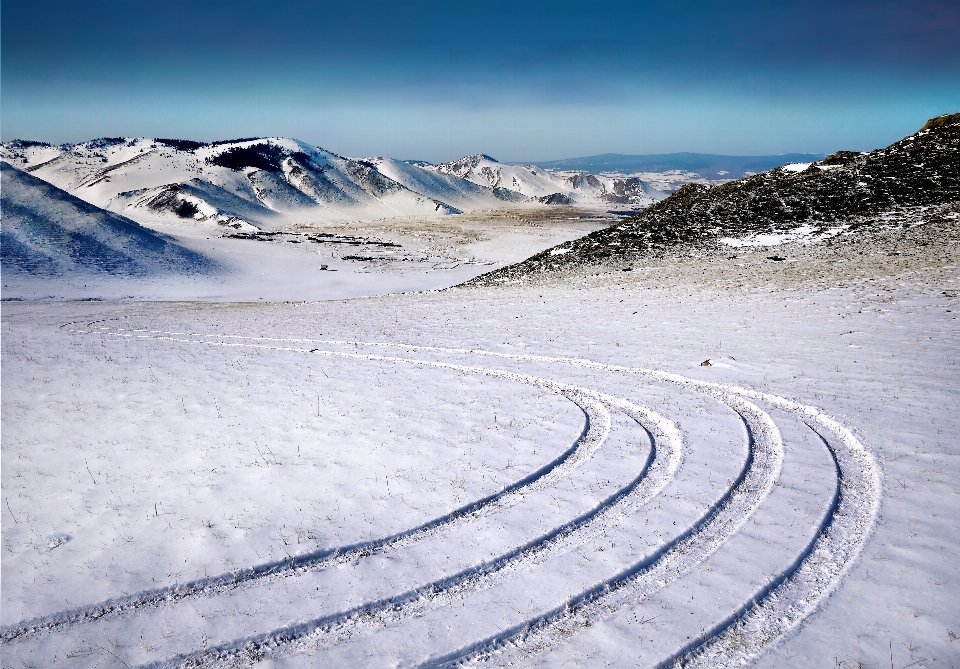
707, 165
263, 182
911, 181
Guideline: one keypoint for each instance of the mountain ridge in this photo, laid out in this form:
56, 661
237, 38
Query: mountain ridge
46, 231
845, 191
265, 182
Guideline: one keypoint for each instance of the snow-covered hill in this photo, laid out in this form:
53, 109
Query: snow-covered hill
48, 232
550, 187
914, 180
262, 182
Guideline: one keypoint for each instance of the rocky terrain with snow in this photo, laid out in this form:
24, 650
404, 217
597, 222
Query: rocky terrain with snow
912, 181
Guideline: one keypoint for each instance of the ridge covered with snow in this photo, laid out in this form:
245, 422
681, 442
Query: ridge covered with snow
48, 232
262, 182
549, 187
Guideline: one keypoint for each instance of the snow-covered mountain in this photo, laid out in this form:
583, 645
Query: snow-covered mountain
550, 187
261, 182
48, 232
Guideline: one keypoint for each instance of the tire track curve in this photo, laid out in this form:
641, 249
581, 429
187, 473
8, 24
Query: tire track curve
784, 602
658, 470
782, 606
596, 429
671, 561
771, 615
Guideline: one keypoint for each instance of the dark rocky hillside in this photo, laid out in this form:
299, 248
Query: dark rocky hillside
848, 189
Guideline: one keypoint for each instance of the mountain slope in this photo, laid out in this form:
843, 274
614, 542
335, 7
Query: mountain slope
453, 189
45, 231
548, 187
841, 192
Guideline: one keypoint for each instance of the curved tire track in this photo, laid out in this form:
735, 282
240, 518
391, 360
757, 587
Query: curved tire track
674, 559
797, 592
594, 433
659, 469
771, 615
783, 604
788, 599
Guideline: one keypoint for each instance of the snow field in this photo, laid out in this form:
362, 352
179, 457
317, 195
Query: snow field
510, 608
240, 472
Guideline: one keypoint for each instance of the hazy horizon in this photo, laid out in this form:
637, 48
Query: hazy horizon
529, 83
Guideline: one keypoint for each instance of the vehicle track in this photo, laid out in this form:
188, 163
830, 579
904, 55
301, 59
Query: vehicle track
671, 561
789, 598
792, 596
783, 603
597, 427
657, 471
772, 614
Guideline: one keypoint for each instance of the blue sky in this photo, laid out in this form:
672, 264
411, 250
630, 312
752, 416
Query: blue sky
517, 80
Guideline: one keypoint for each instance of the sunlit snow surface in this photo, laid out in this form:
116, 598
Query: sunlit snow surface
153, 444
804, 234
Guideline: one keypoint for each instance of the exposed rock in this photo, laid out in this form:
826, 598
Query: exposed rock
847, 190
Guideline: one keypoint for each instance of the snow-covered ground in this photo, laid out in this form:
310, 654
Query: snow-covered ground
332, 261
543, 475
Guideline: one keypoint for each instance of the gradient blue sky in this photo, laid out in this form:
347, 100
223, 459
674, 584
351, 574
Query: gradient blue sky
517, 80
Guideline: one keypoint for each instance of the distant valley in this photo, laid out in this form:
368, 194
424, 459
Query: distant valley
704, 165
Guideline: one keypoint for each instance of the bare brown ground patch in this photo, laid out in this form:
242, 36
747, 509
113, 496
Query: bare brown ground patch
450, 236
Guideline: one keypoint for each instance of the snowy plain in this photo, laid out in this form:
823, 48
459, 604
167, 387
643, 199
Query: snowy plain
427, 478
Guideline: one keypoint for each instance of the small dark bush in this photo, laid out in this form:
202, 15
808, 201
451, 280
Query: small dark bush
185, 209
233, 141
841, 158
302, 158
102, 143
942, 121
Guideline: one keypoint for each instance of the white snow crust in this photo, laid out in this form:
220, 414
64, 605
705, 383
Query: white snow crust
541, 475
805, 234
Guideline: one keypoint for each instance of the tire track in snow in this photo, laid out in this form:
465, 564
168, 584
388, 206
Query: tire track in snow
788, 599
659, 469
783, 603
773, 613
674, 559
595, 431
